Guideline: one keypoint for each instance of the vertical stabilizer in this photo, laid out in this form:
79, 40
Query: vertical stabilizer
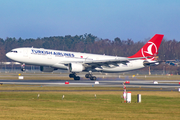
150, 49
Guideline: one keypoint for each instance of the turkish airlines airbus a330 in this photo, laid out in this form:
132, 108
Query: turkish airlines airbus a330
50, 60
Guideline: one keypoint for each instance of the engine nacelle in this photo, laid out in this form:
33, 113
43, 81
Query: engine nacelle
76, 67
152, 63
47, 69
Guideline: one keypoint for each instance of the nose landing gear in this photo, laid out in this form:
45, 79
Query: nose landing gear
23, 67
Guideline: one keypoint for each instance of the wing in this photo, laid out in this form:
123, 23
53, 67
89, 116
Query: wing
114, 62
98, 63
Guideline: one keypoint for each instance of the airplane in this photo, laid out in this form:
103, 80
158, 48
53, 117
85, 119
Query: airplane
75, 62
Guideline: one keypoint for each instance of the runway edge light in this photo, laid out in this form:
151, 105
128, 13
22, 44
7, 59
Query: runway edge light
66, 82
96, 82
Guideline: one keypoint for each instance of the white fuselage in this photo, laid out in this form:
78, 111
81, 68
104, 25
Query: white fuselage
59, 59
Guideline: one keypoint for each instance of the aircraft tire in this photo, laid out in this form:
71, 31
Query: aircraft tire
71, 75
87, 76
76, 78
93, 78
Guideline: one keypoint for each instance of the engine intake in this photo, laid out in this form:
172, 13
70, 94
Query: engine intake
76, 67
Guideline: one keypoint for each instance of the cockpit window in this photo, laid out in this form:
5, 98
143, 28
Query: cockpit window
14, 51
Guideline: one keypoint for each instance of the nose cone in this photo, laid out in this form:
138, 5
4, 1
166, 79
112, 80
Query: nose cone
7, 54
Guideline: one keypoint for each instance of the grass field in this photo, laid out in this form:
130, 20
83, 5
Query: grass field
82, 105
108, 105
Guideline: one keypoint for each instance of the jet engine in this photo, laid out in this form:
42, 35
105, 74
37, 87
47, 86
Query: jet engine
152, 63
47, 69
76, 67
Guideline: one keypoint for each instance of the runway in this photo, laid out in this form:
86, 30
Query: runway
163, 84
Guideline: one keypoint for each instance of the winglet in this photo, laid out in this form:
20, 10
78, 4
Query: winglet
150, 49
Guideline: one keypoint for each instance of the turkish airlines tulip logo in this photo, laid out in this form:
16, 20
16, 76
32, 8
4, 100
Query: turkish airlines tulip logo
149, 50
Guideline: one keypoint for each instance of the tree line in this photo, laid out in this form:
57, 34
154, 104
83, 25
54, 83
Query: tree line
89, 43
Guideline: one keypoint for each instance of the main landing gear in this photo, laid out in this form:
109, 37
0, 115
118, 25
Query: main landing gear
73, 75
90, 76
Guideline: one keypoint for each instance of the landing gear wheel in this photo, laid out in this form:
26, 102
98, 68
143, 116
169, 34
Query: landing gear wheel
93, 78
72, 75
76, 78
23, 67
87, 75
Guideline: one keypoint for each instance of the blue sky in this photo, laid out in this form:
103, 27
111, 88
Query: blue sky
106, 19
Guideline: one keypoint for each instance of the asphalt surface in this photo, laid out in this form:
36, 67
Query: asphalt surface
171, 85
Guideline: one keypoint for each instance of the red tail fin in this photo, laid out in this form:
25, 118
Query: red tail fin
150, 49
